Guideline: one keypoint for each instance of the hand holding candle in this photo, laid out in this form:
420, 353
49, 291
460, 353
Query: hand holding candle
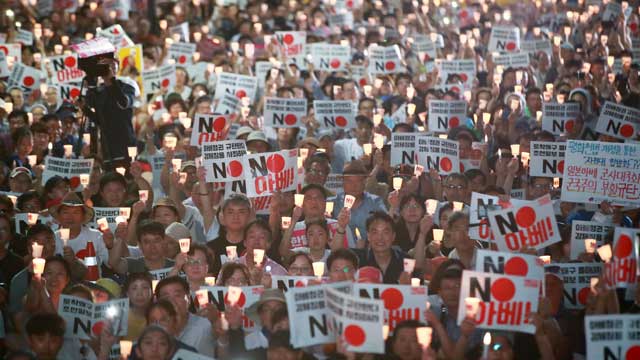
185, 244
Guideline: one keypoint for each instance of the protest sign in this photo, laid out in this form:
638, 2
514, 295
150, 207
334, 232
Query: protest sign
235, 84
612, 11
286, 282
518, 60
262, 67
532, 47
531, 225
359, 74
310, 325
218, 296
401, 302
504, 39
223, 160
129, 58
22, 226
385, 60
182, 30
465, 69
64, 69
110, 213
116, 35
599, 171
66, 168
67, 91
330, 57
506, 302
612, 336
208, 128
334, 183
284, 112
424, 44
582, 230
182, 354
514, 264
27, 78
618, 121
161, 78
4, 66
621, 270
340, 20
292, 45
559, 118
24, 37
445, 115
182, 52
13, 52
439, 154
85, 319
576, 278
359, 321
335, 114
119, 7
269, 172
227, 105
403, 148
160, 273
478, 216
546, 159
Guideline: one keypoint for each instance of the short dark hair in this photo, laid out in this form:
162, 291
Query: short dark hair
112, 177
457, 176
449, 269
149, 227
343, 254
261, 224
380, 216
38, 229
133, 277
27, 196
164, 305
361, 119
172, 280
45, 323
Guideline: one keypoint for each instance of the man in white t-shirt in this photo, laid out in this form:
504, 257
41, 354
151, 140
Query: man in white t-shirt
347, 150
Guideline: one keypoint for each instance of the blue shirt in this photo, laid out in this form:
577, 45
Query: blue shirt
359, 214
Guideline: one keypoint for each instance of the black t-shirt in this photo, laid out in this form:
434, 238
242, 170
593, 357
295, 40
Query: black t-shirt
10, 265
219, 247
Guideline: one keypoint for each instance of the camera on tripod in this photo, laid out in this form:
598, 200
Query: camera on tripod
89, 55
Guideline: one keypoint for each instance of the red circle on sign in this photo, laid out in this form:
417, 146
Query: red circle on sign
633, 27
526, 216
354, 335
349, 3
4, 50
182, 59
341, 121
241, 300
461, 167
390, 65
516, 266
503, 289
74, 93
165, 83
627, 130
74, 182
290, 119
454, 122
362, 82
97, 328
235, 168
219, 124
624, 246
583, 294
561, 166
455, 89
70, 61
446, 164
335, 63
511, 46
464, 14
393, 298
288, 39
463, 77
299, 283
633, 353
28, 81
275, 163
568, 126
241, 93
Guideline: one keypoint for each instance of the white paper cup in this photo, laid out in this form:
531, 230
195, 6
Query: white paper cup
348, 201
258, 256
210, 280
232, 252
38, 266
471, 306
184, 245
318, 268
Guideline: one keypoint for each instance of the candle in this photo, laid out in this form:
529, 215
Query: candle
210, 280
431, 205
183, 177
32, 159
258, 256
318, 269
409, 265
417, 171
605, 252
471, 306
358, 237
368, 149
38, 266
590, 246
298, 199
203, 297
411, 109
233, 294
397, 183
32, 218
133, 151
486, 341
125, 348
184, 245
36, 250
385, 331
120, 170
424, 336
438, 234
170, 142
415, 282
286, 222
348, 201
154, 283
64, 235
457, 206
304, 152
328, 208
103, 224
378, 141
176, 163
84, 179
232, 252
546, 259
143, 195
86, 138
68, 150
515, 149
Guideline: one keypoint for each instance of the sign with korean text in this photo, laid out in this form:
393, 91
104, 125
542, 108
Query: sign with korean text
67, 91
25, 77
424, 44
235, 84
403, 148
401, 302
445, 115
116, 35
330, 57
85, 319
182, 52
504, 39
559, 118
532, 47
4, 66
208, 128
621, 271
111, 214
385, 60
514, 264
335, 114
284, 112
547, 159
269, 172
158, 79
576, 278
439, 154
465, 69
291, 45
66, 168
619, 121
13, 52
359, 74
582, 230
612, 336
223, 160
516, 60
227, 105
64, 69
24, 37
218, 296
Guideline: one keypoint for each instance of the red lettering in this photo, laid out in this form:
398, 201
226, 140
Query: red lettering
512, 313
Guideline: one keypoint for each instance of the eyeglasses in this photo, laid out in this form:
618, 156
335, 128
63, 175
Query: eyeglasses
411, 206
316, 172
194, 262
346, 269
498, 347
542, 186
305, 269
455, 187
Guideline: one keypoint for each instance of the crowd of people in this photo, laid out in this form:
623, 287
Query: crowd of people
176, 232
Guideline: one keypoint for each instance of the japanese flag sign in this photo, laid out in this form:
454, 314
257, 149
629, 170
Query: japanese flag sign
116, 35
219, 296
439, 154
465, 69
209, 128
330, 57
559, 118
182, 52
235, 84
269, 172
359, 320
401, 302
158, 79
424, 44
576, 278
25, 77
121, 8
24, 37
547, 159
227, 105
622, 270
504, 39
85, 319
531, 225
286, 282
181, 30
517, 60
283, 112
403, 148
481, 204
64, 69
582, 230
619, 121
335, 114
359, 74
506, 302
339, 21
68, 91
514, 264
612, 336
445, 115
385, 60
223, 160
13, 52
292, 45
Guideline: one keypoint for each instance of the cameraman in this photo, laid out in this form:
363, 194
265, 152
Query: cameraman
111, 105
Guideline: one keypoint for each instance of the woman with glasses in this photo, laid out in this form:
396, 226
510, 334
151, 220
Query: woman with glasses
197, 266
300, 264
407, 227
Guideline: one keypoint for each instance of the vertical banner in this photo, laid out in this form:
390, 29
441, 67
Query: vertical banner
223, 160
401, 302
335, 114
531, 225
582, 230
559, 119
576, 278
385, 60
284, 112
506, 302
330, 57
504, 39
209, 128
238, 85
358, 321
547, 159
269, 172
403, 148
439, 154
612, 336
445, 115
618, 121
622, 270
598, 171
